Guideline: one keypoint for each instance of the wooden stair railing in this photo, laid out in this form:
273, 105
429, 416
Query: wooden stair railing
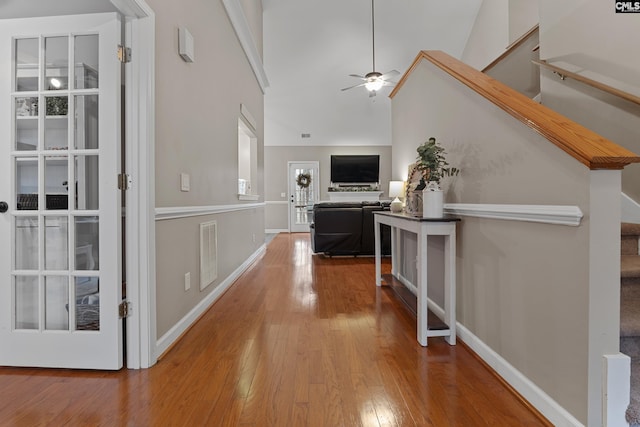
586, 146
590, 82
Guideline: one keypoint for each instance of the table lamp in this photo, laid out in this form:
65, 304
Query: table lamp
396, 190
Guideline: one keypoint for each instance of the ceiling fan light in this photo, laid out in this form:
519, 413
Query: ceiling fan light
374, 84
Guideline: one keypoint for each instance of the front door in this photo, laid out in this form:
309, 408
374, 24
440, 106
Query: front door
60, 267
304, 189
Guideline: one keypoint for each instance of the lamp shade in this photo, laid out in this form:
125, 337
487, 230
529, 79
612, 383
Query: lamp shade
396, 189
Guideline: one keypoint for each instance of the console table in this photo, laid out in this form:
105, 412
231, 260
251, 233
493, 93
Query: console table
423, 227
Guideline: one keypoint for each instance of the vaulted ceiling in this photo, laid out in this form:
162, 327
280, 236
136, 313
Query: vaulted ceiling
311, 47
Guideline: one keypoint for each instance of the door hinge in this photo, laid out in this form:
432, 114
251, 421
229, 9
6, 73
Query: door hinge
124, 309
124, 181
124, 54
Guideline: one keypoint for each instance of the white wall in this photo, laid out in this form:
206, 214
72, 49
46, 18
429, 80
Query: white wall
523, 15
198, 107
589, 38
490, 34
523, 288
498, 24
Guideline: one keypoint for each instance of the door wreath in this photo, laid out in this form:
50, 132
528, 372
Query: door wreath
304, 180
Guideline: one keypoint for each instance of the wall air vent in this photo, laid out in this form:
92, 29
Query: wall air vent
305, 135
208, 253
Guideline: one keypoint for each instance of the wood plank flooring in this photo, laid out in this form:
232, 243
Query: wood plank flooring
299, 340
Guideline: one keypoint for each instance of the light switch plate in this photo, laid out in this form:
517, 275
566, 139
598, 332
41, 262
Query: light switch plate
186, 45
184, 182
283, 194
187, 281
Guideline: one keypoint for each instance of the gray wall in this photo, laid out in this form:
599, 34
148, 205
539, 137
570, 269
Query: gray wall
276, 182
197, 111
568, 40
522, 287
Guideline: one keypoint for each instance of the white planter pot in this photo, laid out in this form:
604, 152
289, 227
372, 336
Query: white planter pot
432, 201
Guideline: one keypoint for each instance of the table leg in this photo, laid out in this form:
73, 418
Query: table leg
422, 305
450, 285
376, 235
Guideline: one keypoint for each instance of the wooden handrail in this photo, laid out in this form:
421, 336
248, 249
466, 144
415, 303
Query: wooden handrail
590, 82
513, 46
586, 146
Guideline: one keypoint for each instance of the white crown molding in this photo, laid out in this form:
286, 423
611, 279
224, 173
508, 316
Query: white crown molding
548, 214
132, 8
241, 27
189, 211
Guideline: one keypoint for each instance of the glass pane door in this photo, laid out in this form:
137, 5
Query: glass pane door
60, 207
304, 187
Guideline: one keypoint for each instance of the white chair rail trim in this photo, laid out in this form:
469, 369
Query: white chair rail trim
189, 211
548, 214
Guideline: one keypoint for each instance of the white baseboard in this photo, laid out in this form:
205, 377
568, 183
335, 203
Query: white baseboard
617, 389
169, 338
548, 407
276, 230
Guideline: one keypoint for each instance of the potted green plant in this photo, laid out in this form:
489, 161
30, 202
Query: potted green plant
432, 162
424, 180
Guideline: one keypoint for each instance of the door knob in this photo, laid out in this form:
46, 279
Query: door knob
3, 207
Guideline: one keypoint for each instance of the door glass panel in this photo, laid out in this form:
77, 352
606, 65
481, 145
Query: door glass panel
304, 195
56, 105
55, 179
27, 183
56, 303
26, 115
56, 58
86, 122
26, 303
26, 245
27, 59
86, 179
87, 304
56, 238
86, 244
55, 132
86, 55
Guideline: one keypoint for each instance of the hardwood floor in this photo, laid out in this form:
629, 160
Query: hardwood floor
299, 340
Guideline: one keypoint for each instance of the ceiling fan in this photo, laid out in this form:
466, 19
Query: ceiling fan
374, 80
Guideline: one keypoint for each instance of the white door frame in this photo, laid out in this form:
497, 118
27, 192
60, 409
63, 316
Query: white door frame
140, 198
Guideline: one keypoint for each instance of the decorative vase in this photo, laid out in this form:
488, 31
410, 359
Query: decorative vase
396, 205
432, 201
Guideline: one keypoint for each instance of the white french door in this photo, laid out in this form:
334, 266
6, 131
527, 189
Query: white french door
304, 191
60, 273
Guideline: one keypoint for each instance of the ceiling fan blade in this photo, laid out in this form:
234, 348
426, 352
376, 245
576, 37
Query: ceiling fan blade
390, 74
358, 76
389, 83
372, 93
351, 87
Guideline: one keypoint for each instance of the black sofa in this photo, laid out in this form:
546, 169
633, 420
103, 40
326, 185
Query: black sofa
346, 228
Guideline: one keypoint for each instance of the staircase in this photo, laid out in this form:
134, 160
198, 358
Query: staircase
630, 312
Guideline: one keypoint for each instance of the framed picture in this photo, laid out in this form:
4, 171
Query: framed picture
413, 196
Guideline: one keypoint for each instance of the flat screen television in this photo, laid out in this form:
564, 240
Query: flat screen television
355, 169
